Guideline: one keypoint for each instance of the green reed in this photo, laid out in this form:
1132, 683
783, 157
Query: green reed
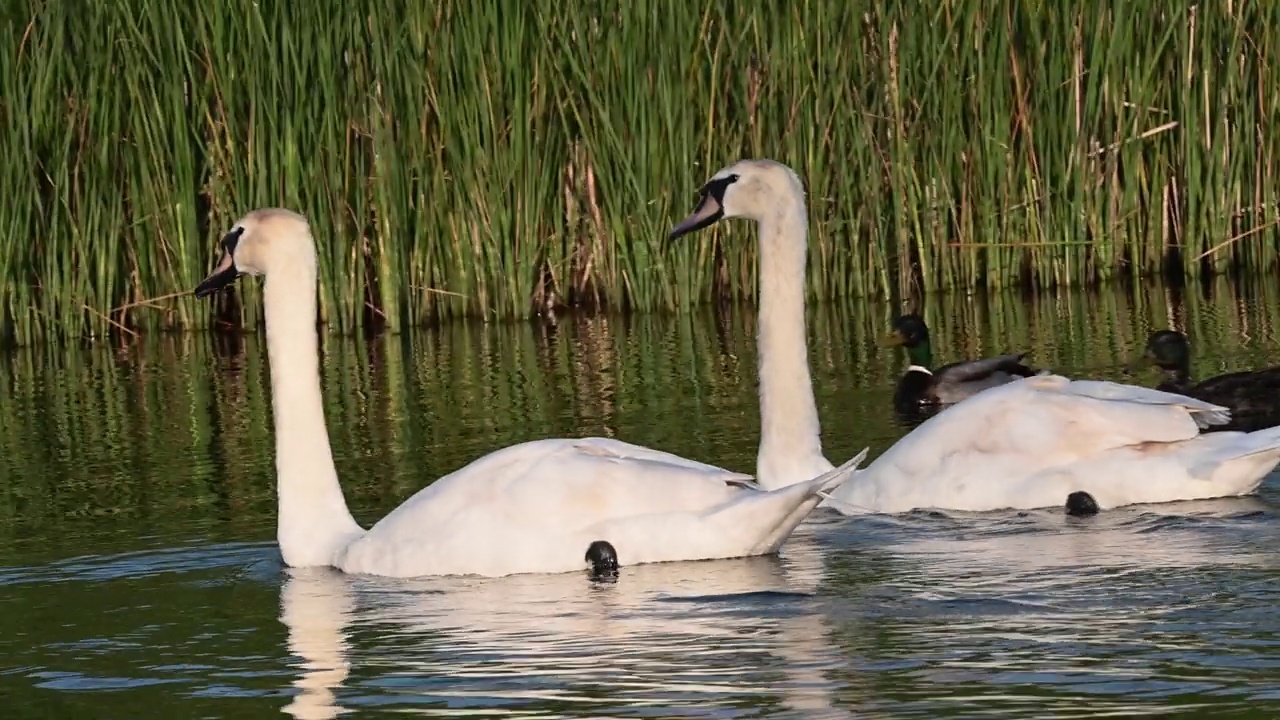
497, 160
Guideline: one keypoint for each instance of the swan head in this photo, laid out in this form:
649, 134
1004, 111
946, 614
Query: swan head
750, 189
259, 243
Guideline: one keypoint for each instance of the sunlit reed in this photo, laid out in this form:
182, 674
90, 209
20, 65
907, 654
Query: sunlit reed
494, 159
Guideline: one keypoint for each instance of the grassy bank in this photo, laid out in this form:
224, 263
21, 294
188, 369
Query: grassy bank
496, 158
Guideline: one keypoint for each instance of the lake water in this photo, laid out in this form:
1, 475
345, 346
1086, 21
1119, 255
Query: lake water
139, 577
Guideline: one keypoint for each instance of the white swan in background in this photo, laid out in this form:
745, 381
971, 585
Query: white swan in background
1027, 444
546, 506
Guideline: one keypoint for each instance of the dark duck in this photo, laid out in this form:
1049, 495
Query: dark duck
923, 390
1252, 395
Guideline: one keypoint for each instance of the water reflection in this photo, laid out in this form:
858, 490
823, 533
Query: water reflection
1133, 612
139, 569
1048, 544
316, 605
664, 637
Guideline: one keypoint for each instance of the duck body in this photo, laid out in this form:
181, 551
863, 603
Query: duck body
919, 386
1253, 396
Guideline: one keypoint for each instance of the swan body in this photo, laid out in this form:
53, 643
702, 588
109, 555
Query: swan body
1028, 443
540, 505
1033, 442
535, 507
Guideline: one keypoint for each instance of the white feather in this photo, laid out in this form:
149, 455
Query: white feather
1030, 443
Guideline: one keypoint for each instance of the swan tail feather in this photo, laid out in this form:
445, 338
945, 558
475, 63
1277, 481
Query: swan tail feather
1239, 464
802, 498
1205, 414
1259, 441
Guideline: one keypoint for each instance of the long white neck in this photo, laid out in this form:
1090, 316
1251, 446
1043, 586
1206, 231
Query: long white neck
790, 440
314, 522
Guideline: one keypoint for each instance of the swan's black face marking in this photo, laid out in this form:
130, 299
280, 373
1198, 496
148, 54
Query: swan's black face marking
710, 207
1081, 504
225, 273
603, 559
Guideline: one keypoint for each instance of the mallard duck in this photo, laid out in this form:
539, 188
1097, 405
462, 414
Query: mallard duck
923, 390
1252, 395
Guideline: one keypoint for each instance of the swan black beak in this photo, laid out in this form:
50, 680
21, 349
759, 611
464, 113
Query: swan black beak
709, 210
222, 276
710, 207
225, 273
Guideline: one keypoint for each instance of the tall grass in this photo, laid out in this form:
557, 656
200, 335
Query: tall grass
497, 159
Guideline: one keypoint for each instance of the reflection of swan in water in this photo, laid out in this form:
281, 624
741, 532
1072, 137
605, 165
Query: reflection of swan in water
1182, 535
1060, 616
1045, 570
659, 637
316, 604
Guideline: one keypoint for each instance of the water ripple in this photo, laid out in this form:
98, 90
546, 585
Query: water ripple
921, 615
127, 581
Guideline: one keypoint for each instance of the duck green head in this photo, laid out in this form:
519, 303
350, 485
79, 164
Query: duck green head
1168, 350
910, 332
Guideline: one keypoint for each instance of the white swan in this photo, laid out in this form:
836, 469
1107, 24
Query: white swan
770, 194
1027, 444
538, 507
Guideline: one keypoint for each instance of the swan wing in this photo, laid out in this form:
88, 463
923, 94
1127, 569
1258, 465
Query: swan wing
1048, 419
665, 461
536, 507
976, 455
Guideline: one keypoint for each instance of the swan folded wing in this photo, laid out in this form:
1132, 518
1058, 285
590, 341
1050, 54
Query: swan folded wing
1043, 421
532, 506
1203, 413
555, 465
559, 467
622, 451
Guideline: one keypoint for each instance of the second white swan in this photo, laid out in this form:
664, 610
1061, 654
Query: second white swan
1027, 444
